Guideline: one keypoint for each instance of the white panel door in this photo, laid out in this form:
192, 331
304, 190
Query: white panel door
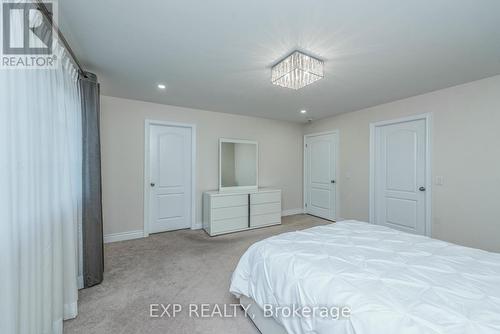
320, 172
400, 176
170, 178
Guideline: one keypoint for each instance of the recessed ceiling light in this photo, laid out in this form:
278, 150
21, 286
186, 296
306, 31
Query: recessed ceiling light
303, 111
296, 71
161, 86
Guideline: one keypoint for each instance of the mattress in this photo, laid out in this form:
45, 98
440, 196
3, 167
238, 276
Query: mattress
392, 282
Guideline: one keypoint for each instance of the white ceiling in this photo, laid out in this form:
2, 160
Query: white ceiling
216, 55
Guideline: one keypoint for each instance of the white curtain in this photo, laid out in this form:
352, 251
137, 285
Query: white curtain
40, 197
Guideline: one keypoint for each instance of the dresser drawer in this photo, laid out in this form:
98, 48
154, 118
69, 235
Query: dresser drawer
229, 200
265, 197
229, 225
231, 212
228, 212
268, 219
262, 209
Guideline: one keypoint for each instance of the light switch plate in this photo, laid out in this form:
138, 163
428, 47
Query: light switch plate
439, 180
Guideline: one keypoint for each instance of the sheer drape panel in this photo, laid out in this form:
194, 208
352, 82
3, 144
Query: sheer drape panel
40, 203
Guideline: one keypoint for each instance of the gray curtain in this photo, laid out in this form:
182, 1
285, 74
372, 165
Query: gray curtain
92, 238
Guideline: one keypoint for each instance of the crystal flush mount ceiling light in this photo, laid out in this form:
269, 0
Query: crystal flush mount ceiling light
296, 71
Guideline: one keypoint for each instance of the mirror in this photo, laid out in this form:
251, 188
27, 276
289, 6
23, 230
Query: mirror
238, 161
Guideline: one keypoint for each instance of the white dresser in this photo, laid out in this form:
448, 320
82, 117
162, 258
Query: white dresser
225, 212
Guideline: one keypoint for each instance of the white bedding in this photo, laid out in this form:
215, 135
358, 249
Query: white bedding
393, 282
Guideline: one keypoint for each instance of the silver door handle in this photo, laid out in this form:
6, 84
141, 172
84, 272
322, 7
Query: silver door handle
152, 184
422, 189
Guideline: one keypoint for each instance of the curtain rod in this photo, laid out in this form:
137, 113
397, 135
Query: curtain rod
48, 15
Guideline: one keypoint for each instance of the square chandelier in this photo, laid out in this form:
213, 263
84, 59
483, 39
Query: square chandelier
296, 71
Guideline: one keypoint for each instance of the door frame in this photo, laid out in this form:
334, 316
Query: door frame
337, 170
427, 117
147, 125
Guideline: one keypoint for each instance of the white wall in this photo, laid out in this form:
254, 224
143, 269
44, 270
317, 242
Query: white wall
466, 152
122, 142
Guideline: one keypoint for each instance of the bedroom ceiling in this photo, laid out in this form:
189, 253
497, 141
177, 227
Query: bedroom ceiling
217, 55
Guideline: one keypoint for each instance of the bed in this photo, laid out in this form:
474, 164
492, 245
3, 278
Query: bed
392, 282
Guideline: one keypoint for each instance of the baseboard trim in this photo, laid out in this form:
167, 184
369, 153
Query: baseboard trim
130, 235
197, 226
114, 237
292, 212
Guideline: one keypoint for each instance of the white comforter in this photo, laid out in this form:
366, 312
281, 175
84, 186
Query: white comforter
393, 282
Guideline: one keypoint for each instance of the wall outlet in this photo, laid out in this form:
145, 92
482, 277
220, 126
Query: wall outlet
439, 181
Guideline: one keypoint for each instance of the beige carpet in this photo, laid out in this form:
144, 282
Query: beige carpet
175, 267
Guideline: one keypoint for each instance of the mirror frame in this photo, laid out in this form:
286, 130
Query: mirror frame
239, 188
